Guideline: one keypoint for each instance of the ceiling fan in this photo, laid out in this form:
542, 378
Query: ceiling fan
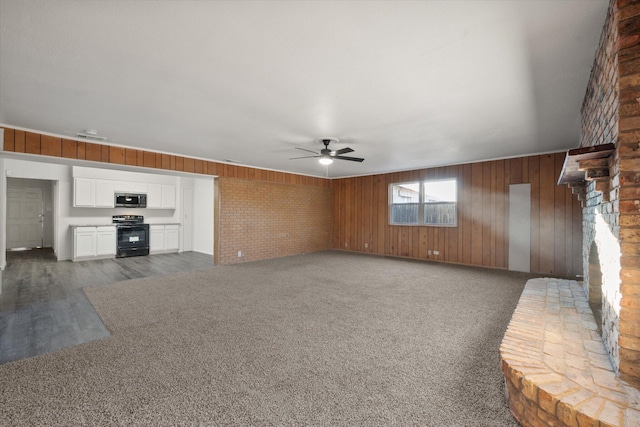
326, 156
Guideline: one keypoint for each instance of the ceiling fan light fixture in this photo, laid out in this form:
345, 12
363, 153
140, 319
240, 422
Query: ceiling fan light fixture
325, 160
326, 155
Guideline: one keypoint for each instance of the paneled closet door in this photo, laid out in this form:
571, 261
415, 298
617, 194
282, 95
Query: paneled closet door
520, 227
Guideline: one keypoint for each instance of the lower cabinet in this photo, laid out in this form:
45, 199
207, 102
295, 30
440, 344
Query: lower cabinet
84, 240
164, 238
106, 241
171, 238
94, 242
156, 238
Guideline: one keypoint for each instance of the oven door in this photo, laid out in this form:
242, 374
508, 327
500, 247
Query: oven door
133, 240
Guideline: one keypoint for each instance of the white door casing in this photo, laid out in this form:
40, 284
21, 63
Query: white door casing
187, 219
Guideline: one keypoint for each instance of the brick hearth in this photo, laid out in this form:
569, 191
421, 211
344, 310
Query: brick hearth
556, 368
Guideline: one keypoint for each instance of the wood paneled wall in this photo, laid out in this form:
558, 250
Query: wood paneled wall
361, 216
34, 143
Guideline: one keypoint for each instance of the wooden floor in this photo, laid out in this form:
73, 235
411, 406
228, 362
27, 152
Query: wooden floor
43, 308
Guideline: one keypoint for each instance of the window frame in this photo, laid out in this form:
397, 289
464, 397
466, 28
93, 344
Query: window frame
418, 204
422, 205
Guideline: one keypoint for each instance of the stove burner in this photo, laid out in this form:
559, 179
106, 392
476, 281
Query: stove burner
127, 219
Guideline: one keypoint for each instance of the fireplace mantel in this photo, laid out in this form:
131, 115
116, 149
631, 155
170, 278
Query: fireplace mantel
585, 164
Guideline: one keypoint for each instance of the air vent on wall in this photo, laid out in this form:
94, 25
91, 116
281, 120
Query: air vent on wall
91, 134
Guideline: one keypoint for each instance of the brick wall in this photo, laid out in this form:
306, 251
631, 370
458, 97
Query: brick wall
600, 106
600, 216
611, 216
268, 220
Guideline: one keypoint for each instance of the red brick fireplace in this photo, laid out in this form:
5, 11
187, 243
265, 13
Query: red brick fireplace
611, 189
571, 354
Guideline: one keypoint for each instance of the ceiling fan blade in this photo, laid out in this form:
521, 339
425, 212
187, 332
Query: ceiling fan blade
342, 151
353, 159
304, 149
304, 157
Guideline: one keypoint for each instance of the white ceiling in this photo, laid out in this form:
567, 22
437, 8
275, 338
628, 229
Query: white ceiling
405, 84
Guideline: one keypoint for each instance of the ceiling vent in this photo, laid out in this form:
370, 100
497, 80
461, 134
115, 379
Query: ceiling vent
91, 134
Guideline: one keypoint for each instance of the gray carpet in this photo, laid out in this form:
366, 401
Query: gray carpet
321, 339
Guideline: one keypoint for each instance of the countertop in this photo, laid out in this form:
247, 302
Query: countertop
113, 225
90, 225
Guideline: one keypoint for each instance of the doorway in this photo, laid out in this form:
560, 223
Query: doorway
30, 219
25, 218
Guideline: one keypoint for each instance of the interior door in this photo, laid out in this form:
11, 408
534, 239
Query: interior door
187, 219
25, 216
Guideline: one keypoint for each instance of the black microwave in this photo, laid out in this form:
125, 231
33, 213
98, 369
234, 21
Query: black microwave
128, 200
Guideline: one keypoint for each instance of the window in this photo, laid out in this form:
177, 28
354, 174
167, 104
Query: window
439, 198
405, 203
430, 202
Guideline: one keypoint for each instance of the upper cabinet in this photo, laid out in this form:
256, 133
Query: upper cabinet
139, 187
84, 192
161, 196
154, 196
93, 193
122, 187
130, 187
168, 196
104, 194
96, 188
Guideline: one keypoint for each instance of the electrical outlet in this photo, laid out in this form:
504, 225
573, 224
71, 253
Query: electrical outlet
366, 245
239, 253
429, 252
346, 244
436, 252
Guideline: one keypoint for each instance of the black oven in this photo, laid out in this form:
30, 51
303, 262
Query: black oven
132, 235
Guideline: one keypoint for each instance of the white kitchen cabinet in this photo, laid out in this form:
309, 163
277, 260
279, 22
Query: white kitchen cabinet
164, 238
84, 240
156, 238
96, 188
139, 187
92, 193
171, 238
122, 187
154, 196
161, 196
104, 197
94, 242
106, 240
84, 192
130, 187
168, 196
